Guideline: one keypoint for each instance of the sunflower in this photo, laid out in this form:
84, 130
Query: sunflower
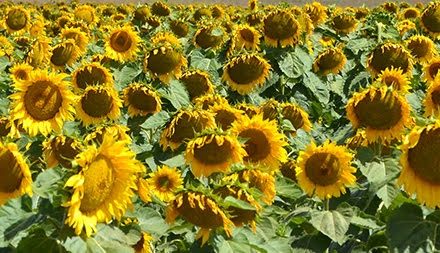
249, 109
240, 216
264, 145
119, 132
141, 100
141, 13
246, 72
395, 78
91, 74
160, 9
81, 39
144, 244
225, 115
431, 69
165, 38
154, 21
122, 44
17, 19
64, 54
39, 54
317, 12
61, 150
281, 28
217, 11
38, 27
419, 160
432, 99
389, 55
296, 116
200, 210
20, 72
213, 152
344, 22
8, 128
85, 13
202, 12
144, 190
184, 125
325, 171
382, 112
253, 5
260, 180
165, 63
430, 19
405, 26
197, 83
209, 36
208, 100
269, 109
98, 104
421, 47
179, 27
331, 60
42, 103
246, 37
409, 13
103, 188
165, 182
288, 170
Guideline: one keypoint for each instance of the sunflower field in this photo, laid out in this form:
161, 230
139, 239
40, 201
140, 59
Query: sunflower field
215, 128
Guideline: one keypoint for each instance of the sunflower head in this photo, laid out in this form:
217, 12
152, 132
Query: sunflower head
390, 7
331, 60
246, 72
15, 178
17, 19
395, 78
405, 26
21, 72
200, 210
361, 13
98, 104
160, 9
81, 38
122, 44
212, 152
154, 21
165, 63
104, 186
288, 170
91, 74
432, 99
281, 28
184, 127
249, 109
430, 19
206, 101
39, 52
421, 47
344, 22
246, 36
165, 38
197, 83
269, 109
144, 245
325, 171
141, 13
42, 103
209, 36
382, 112
203, 12
296, 116
141, 100
264, 145
431, 69
179, 27
165, 182
409, 13
389, 55
119, 132
263, 181
85, 13
64, 54
225, 115
317, 12
61, 150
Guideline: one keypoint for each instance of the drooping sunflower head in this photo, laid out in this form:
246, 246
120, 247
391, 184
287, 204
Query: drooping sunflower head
197, 83
409, 13
264, 145
296, 116
269, 109
154, 21
422, 48
21, 72
281, 28
15, 178
431, 69
395, 78
141, 13
253, 5
85, 13
81, 38
325, 171
42, 103
317, 12
39, 53
344, 22
61, 150
331, 60
213, 152
288, 170
249, 109
361, 13
160, 9
17, 19
218, 11
432, 98
246, 72
430, 19
389, 55
405, 26
390, 7
263, 181
141, 100
179, 27
208, 100
98, 104
104, 186
8, 128
200, 210
144, 245
165, 38
91, 74
382, 112
64, 54
225, 115
184, 126
246, 36
165, 182
122, 44
203, 12
165, 63
119, 132
209, 36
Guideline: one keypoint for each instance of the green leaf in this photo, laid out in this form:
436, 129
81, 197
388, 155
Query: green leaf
199, 61
47, 183
37, 242
157, 120
316, 243
317, 87
75, 244
217, 32
176, 161
368, 223
177, 94
13, 220
286, 189
409, 232
113, 240
4, 63
231, 201
333, 224
126, 75
150, 220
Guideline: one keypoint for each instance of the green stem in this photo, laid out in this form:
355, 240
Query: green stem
327, 204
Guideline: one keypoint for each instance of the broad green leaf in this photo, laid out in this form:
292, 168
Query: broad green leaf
176, 161
317, 87
47, 183
177, 94
126, 75
294, 64
150, 220
4, 62
315, 243
39, 242
157, 120
331, 223
231, 201
13, 220
75, 244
